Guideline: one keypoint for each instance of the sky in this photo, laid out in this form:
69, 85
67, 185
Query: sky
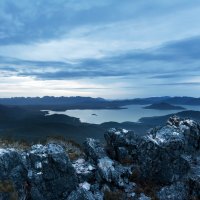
104, 48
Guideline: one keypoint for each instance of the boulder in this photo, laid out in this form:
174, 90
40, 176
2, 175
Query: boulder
13, 174
190, 130
193, 178
160, 160
50, 172
122, 145
84, 170
112, 172
94, 149
160, 153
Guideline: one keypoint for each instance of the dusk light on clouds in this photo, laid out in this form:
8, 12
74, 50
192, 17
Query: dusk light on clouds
107, 48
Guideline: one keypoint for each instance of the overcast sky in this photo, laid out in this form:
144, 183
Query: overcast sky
100, 48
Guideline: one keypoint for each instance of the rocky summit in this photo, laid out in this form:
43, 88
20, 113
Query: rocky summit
162, 165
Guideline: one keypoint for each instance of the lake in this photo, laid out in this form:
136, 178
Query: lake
133, 113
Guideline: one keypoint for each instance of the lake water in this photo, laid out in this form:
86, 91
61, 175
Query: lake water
133, 113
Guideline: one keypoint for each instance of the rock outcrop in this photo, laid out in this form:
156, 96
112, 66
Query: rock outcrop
44, 172
164, 164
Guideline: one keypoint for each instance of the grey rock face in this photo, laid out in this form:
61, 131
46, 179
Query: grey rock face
12, 174
84, 169
176, 191
161, 152
44, 172
159, 162
50, 172
81, 194
144, 197
193, 178
190, 130
94, 149
122, 145
110, 171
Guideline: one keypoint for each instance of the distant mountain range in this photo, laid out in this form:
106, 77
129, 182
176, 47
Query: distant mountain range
61, 103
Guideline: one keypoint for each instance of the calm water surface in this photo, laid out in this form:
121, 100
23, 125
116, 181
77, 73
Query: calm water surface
133, 113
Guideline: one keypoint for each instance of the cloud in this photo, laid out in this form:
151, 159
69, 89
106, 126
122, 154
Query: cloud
135, 46
172, 60
197, 84
28, 21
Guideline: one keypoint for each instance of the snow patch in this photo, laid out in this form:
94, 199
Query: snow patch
85, 186
38, 165
189, 121
82, 167
124, 131
176, 133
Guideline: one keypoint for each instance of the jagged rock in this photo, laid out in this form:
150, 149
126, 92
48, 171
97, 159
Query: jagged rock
105, 188
190, 130
12, 174
81, 194
122, 144
50, 172
194, 187
167, 155
193, 178
176, 191
123, 156
106, 168
94, 149
111, 171
144, 197
98, 196
129, 190
160, 153
44, 172
84, 170
159, 162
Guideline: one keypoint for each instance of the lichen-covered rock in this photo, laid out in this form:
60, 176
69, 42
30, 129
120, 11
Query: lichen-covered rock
94, 149
106, 168
84, 170
50, 172
110, 171
12, 174
123, 155
159, 162
190, 130
193, 178
81, 194
144, 197
160, 153
122, 144
177, 191
44, 172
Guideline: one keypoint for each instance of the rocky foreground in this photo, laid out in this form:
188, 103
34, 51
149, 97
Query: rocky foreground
164, 164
